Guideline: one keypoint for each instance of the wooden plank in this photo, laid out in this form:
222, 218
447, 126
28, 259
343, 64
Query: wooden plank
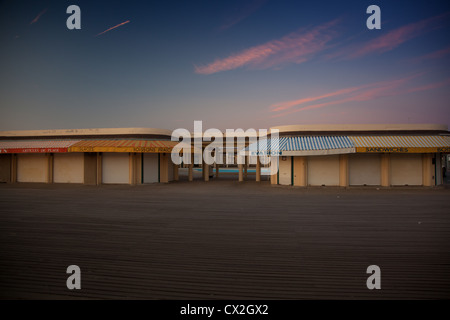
189, 241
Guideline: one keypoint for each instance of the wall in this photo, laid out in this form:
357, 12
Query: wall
365, 169
171, 173
164, 159
115, 168
150, 167
285, 174
5, 168
323, 170
274, 170
300, 171
68, 168
137, 161
406, 169
90, 168
32, 168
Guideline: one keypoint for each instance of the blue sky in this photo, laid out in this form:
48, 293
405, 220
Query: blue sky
248, 63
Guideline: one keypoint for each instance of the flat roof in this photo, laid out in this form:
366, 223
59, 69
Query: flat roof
118, 132
361, 127
85, 132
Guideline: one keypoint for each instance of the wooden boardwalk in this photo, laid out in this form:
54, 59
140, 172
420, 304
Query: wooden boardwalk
223, 240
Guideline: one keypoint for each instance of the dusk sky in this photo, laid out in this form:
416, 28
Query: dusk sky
233, 64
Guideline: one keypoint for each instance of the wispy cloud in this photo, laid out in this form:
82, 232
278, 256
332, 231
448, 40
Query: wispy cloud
119, 25
391, 39
242, 14
280, 106
431, 86
435, 55
352, 94
296, 47
38, 16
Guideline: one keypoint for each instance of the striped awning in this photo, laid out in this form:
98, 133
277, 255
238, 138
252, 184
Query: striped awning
401, 144
36, 146
263, 147
302, 145
139, 146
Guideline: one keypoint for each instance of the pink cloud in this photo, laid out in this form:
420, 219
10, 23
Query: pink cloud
391, 39
280, 106
431, 86
357, 94
120, 24
435, 55
38, 16
296, 47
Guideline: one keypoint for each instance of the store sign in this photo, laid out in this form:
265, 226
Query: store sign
153, 149
122, 149
393, 150
402, 150
34, 150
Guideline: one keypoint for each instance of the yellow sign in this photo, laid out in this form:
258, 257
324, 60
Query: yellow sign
401, 150
122, 149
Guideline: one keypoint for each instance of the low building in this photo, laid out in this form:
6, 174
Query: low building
308, 155
361, 155
87, 156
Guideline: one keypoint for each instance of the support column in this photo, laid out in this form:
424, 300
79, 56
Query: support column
427, 169
5, 168
205, 171
258, 169
131, 169
13, 168
203, 168
99, 168
90, 168
300, 171
138, 168
246, 167
274, 170
175, 173
438, 168
240, 162
163, 168
343, 170
191, 169
191, 173
50, 168
385, 170
241, 172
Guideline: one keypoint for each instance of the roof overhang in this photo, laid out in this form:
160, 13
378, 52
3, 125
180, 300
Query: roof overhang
85, 132
292, 129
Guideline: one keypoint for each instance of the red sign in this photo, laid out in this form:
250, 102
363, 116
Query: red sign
34, 150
